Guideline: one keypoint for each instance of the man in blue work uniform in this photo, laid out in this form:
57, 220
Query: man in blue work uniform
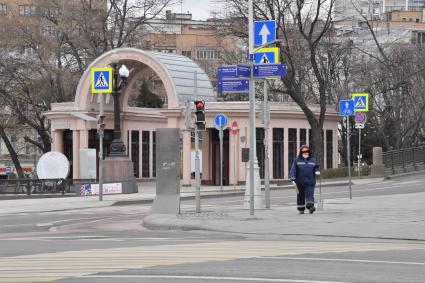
303, 175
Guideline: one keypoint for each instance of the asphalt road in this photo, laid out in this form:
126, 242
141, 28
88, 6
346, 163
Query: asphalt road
109, 245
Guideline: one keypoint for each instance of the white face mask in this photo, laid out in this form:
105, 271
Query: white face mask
305, 155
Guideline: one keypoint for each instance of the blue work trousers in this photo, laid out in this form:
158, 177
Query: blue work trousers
305, 197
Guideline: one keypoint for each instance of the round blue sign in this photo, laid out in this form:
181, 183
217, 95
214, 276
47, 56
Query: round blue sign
220, 120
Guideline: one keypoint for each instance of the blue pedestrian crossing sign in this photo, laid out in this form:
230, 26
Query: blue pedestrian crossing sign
220, 120
101, 80
267, 56
361, 102
264, 32
346, 107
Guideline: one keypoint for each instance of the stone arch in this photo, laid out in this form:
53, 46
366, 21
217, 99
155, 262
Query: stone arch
175, 72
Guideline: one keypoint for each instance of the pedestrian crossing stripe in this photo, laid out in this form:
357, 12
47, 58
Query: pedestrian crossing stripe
361, 102
49, 267
101, 80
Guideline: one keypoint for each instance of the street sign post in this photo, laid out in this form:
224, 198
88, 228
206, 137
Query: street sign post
101, 80
264, 32
220, 121
269, 55
269, 71
360, 119
233, 86
361, 102
346, 107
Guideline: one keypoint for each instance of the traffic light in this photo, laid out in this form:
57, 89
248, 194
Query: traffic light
200, 115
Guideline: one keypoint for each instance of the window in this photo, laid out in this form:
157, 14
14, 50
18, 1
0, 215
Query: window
154, 154
329, 149
261, 153
49, 31
420, 38
417, 20
404, 19
27, 10
145, 154
135, 152
303, 137
292, 147
3, 9
208, 54
187, 53
278, 149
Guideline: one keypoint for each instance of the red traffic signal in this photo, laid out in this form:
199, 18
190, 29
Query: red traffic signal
200, 105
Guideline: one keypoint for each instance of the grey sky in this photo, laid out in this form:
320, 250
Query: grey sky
200, 9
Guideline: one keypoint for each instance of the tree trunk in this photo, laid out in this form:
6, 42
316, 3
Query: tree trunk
14, 157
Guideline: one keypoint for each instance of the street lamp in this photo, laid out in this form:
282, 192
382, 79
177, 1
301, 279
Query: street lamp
120, 78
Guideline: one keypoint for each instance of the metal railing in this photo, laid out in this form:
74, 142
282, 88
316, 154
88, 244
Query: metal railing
45, 186
404, 160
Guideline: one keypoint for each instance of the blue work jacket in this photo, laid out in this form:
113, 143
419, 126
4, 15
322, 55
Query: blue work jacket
303, 171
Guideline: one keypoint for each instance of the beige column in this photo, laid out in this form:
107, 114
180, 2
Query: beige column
298, 139
206, 156
125, 139
232, 160
140, 154
151, 154
186, 158
58, 141
307, 137
129, 144
84, 139
270, 146
286, 164
243, 139
75, 154
335, 148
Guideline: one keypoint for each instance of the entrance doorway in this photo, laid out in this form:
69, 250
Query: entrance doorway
215, 157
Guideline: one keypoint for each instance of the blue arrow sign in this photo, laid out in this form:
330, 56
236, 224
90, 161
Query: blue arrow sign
220, 120
233, 86
269, 71
233, 72
346, 107
264, 32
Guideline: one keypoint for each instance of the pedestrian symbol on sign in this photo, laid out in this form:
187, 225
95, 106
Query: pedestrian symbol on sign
101, 81
264, 59
360, 103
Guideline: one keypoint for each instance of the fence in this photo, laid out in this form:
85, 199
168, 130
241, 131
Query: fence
37, 186
404, 160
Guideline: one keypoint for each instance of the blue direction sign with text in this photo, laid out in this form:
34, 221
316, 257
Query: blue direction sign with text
233, 86
233, 72
220, 120
269, 71
264, 32
346, 107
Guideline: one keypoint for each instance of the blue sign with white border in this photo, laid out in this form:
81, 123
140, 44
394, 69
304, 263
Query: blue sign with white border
346, 107
101, 80
233, 72
264, 32
220, 120
265, 58
269, 71
233, 86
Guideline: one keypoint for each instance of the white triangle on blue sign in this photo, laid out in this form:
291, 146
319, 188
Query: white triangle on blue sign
101, 81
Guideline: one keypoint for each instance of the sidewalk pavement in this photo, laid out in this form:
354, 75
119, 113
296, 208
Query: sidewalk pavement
398, 217
146, 195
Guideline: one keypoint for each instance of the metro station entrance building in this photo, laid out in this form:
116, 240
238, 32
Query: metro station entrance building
288, 129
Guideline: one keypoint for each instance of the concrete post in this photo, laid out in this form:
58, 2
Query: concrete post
377, 168
75, 155
58, 140
186, 158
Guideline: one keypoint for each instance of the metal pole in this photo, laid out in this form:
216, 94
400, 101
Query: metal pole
235, 178
197, 161
359, 157
252, 152
266, 146
197, 173
221, 158
348, 155
101, 133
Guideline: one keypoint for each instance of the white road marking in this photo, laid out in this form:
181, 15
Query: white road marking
212, 278
346, 260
